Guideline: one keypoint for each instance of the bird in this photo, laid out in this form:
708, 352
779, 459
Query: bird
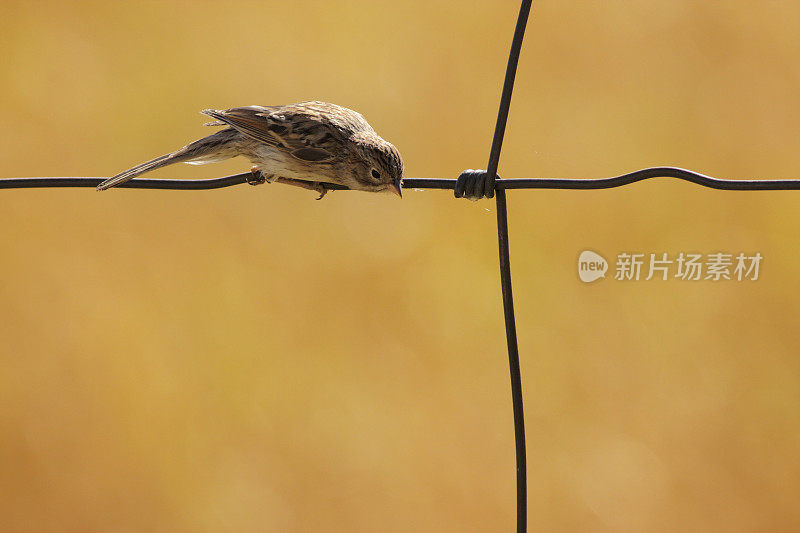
307, 144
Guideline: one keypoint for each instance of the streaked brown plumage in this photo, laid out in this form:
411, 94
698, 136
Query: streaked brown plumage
306, 144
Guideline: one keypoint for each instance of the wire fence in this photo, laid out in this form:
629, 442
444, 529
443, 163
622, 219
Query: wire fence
473, 184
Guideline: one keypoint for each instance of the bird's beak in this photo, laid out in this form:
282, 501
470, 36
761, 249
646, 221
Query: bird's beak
397, 188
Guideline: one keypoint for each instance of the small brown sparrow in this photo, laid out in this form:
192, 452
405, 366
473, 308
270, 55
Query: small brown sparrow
307, 145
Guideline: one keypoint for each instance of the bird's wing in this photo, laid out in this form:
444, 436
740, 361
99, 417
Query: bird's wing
302, 135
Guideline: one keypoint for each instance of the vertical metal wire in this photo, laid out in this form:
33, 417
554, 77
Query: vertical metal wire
505, 267
513, 361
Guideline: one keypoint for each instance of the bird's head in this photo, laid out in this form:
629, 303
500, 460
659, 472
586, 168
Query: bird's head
377, 164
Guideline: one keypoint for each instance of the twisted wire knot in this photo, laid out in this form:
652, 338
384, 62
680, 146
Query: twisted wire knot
474, 185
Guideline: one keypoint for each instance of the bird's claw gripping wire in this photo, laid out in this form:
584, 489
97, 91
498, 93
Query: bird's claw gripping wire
474, 185
256, 177
322, 190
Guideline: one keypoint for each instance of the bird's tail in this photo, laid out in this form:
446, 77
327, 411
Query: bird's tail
221, 145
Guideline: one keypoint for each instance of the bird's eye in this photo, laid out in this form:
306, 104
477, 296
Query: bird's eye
376, 174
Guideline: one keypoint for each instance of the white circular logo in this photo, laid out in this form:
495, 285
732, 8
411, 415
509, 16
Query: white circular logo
591, 266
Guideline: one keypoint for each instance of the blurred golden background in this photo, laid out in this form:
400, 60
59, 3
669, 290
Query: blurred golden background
249, 359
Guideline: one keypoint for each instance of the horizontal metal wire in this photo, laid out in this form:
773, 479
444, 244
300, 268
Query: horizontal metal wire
434, 183
618, 181
137, 183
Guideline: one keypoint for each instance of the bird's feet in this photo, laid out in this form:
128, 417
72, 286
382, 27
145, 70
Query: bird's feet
321, 189
256, 177
317, 186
